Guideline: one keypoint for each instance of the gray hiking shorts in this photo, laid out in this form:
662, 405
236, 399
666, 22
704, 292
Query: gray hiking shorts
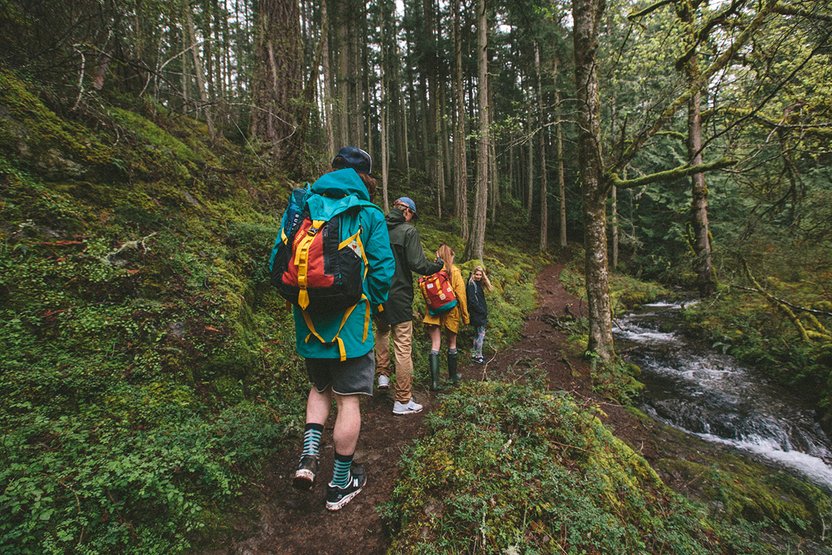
353, 376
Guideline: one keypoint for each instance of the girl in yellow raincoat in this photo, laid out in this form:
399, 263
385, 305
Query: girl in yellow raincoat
450, 320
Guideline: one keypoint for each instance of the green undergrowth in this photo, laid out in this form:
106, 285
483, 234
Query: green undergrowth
789, 514
509, 468
148, 368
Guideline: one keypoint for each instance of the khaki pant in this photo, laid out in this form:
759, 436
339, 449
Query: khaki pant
402, 344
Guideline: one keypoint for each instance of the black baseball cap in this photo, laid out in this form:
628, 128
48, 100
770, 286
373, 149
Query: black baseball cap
355, 158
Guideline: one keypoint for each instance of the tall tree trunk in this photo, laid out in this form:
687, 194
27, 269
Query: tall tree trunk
530, 171
461, 172
559, 154
357, 35
384, 149
544, 177
699, 191
208, 51
199, 72
327, 92
476, 243
586, 15
343, 78
614, 225
186, 92
699, 204
278, 81
493, 178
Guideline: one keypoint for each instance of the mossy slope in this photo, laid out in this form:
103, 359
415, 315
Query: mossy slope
506, 468
146, 364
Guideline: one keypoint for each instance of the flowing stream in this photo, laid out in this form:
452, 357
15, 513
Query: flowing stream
709, 394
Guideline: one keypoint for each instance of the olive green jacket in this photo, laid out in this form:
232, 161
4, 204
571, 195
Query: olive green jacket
410, 257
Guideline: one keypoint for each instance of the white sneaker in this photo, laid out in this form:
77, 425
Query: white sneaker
411, 407
383, 382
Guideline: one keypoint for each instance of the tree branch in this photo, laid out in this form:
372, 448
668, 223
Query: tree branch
679, 171
649, 9
788, 10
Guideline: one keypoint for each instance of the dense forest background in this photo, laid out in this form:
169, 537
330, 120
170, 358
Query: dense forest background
146, 147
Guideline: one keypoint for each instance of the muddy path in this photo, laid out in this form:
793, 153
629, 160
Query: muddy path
286, 521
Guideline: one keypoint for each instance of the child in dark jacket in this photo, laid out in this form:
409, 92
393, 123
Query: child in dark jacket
478, 284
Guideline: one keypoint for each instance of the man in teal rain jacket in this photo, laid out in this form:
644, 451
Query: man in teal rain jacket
338, 347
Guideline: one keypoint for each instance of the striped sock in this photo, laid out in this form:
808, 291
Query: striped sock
312, 439
453, 351
341, 471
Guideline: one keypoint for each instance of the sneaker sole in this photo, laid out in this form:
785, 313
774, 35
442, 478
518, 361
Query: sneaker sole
343, 501
304, 480
402, 413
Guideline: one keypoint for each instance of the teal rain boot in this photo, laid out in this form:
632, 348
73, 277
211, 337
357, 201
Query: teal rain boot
434, 371
452, 373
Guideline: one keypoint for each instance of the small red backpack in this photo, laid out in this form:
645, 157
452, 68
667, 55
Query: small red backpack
438, 293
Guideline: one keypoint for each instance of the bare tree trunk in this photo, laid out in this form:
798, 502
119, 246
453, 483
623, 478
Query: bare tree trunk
586, 15
343, 80
699, 204
530, 173
278, 81
461, 172
476, 243
198, 70
493, 176
327, 93
559, 154
186, 81
544, 177
356, 75
614, 226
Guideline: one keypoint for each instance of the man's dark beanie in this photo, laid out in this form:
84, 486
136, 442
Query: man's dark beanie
355, 158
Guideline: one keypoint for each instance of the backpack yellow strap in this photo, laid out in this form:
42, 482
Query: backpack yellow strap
358, 249
302, 262
342, 351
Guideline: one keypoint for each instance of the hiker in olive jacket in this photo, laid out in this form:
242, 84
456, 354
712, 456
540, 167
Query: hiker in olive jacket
396, 318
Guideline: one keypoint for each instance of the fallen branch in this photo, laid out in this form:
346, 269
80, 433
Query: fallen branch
140, 244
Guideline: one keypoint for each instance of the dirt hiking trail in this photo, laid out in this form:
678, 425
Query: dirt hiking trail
290, 522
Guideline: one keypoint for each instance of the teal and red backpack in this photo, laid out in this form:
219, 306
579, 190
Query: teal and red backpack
318, 265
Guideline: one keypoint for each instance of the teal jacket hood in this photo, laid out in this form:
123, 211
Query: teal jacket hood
336, 192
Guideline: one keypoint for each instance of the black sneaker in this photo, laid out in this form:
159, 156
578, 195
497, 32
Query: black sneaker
337, 497
305, 474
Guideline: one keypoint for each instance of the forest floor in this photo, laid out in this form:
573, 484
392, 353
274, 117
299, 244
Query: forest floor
286, 521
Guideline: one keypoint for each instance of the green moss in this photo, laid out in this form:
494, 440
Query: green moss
31, 132
146, 364
738, 491
506, 467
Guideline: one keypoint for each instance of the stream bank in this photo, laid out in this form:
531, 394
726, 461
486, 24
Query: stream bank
710, 394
